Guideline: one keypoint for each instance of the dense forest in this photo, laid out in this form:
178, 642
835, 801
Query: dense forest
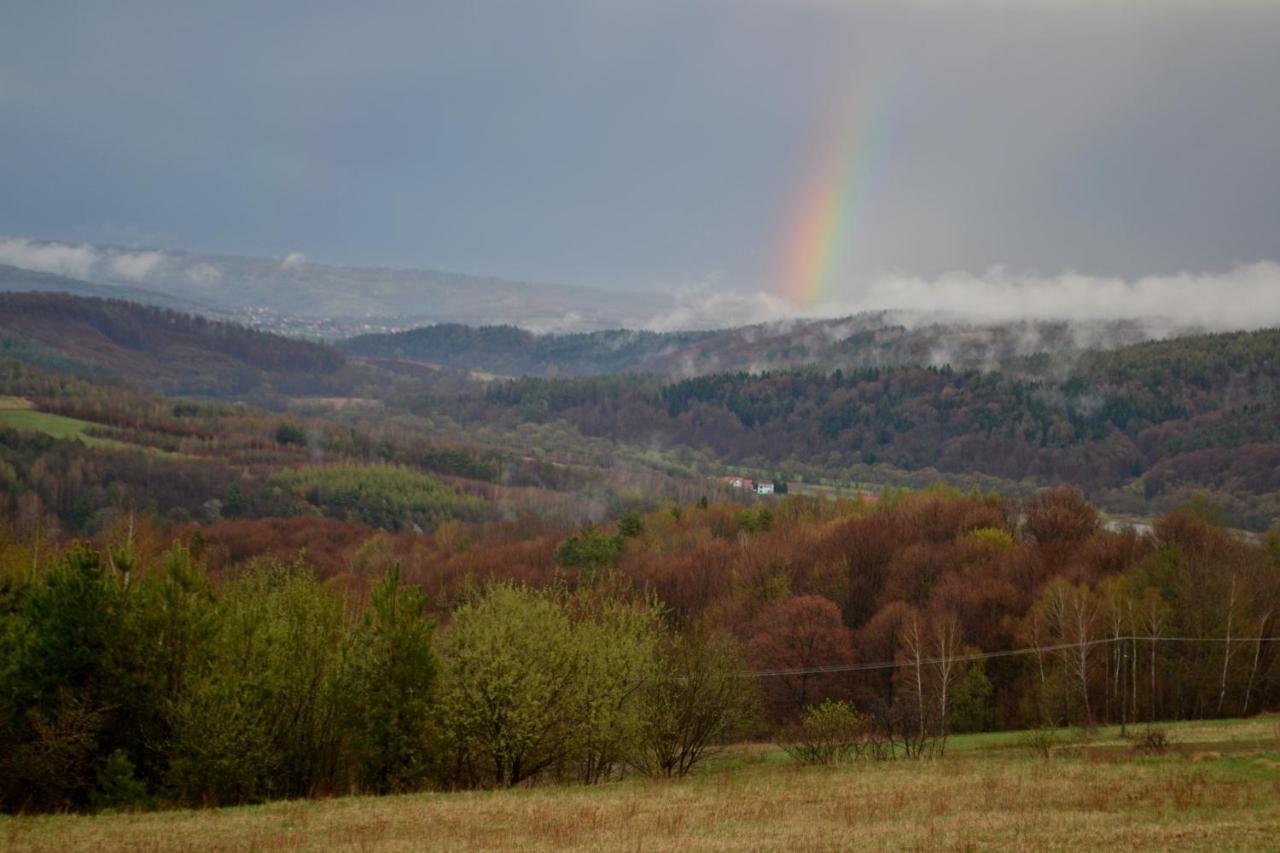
244, 660
1137, 427
511, 351
162, 349
874, 339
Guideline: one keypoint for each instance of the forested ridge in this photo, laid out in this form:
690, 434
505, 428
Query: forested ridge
162, 349
870, 339
1131, 425
512, 351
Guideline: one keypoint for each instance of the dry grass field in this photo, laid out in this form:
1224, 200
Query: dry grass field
1218, 788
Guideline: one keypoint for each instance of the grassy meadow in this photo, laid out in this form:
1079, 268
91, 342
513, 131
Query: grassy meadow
1218, 787
17, 413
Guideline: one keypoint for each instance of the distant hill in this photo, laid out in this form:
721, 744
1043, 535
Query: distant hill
512, 351
1140, 427
866, 340
19, 280
159, 348
255, 289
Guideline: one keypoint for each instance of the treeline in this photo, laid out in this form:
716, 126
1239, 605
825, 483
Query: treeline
874, 339
804, 583
127, 683
512, 351
227, 669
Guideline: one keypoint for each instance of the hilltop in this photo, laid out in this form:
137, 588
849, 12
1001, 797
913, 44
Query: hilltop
159, 348
271, 291
874, 339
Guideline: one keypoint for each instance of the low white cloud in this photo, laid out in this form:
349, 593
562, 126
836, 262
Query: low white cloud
56, 258
202, 273
106, 264
1244, 297
700, 306
134, 266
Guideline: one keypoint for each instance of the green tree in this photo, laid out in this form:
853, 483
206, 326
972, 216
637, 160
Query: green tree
264, 716
395, 671
697, 698
291, 433
509, 672
54, 680
631, 525
617, 642
591, 551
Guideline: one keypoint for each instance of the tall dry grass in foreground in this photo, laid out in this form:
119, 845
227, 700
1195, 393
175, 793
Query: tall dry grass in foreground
1218, 789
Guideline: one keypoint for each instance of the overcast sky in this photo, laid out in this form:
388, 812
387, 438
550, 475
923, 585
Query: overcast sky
649, 143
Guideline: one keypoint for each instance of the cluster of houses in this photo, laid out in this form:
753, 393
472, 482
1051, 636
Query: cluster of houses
760, 487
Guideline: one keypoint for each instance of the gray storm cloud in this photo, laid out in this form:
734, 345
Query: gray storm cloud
614, 145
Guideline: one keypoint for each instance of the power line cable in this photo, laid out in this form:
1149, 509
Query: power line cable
1031, 650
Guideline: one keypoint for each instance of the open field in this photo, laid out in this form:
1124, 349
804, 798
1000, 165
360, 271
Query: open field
17, 413
1218, 788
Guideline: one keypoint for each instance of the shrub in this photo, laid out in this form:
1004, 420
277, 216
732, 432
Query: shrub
828, 733
695, 701
1041, 741
591, 551
291, 433
118, 788
991, 536
1152, 742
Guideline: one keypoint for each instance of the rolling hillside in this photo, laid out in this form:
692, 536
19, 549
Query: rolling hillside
866, 340
347, 296
159, 348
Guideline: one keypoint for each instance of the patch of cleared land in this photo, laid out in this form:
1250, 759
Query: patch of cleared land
1217, 789
17, 413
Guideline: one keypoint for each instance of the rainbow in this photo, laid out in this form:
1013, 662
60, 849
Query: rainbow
832, 197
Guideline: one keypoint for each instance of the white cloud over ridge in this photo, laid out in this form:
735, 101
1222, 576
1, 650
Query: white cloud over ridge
57, 258
83, 261
1244, 297
113, 265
